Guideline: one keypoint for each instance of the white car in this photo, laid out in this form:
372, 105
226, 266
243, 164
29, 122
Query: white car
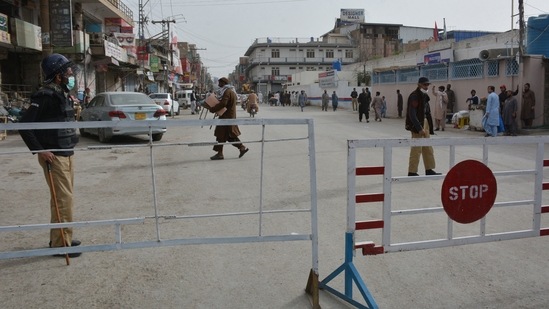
166, 101
120, 106
184, 98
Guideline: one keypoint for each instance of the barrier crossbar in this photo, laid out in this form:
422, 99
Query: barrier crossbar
384, 197
119, 242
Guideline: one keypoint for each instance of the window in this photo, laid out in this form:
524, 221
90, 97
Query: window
387, 77
467, 69
275, 53
407, 75
493, 68
511, 67
435, 71
349, 53
310, 69
329, 53
292, 68
275, 71
310, 53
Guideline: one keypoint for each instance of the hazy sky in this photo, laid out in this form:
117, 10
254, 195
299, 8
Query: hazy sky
225, 29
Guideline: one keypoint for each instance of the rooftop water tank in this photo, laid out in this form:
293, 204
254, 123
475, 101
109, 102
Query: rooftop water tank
538, 35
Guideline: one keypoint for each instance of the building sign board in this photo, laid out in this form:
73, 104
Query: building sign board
61, 23
327, 79
352, 15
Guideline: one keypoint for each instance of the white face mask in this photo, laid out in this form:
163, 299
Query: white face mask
424, 90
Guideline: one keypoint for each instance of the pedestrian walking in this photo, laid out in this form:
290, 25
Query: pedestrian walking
335, 101
226, 133
418, 125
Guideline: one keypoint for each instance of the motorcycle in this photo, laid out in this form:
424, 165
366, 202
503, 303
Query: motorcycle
253, 110
12, 114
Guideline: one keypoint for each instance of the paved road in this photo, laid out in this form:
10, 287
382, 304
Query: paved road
115, 183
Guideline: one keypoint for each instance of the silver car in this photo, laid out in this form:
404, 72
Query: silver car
116, 106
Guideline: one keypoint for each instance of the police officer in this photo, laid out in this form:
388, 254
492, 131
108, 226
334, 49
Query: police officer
51, 103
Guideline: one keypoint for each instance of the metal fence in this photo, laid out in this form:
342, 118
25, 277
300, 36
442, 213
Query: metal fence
451, 233
120, 242
465, 69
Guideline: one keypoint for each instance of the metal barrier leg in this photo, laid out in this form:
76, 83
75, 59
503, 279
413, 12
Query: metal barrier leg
351, 275
312, 289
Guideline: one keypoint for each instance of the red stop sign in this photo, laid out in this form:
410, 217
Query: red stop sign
468, 191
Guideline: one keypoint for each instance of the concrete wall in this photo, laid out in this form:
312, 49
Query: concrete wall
533, 72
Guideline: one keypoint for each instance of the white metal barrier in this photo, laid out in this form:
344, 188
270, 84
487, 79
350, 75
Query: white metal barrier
119, 242
384, 224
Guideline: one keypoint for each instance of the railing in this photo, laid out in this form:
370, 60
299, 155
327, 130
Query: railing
382, 234
122, 7
256, 212
300, 60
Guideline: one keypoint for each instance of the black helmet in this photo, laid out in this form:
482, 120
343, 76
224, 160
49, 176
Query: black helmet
54, 64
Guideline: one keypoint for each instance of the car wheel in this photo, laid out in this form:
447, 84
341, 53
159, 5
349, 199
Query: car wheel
157, 136
103, 136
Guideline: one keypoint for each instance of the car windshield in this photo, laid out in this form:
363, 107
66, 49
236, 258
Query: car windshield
159, 96
130, 99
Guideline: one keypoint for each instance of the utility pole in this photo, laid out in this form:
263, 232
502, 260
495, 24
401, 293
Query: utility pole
521, 27
142, 45
166, 68
167, 22
193, 68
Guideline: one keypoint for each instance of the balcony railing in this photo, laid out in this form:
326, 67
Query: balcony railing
290, 60
122, 7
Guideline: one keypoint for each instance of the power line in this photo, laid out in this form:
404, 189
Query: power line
228, 2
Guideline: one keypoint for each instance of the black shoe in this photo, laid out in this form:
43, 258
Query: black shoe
412, 174
486, 135
431, 173
71, 255
74, 243
243, 152
217, 157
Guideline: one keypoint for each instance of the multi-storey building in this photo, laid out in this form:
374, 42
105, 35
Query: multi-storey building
272, 61
96, 35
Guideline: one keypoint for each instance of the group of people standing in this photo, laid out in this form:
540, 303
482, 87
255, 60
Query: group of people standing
365, 101
284, 98
505, 105
326, 99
